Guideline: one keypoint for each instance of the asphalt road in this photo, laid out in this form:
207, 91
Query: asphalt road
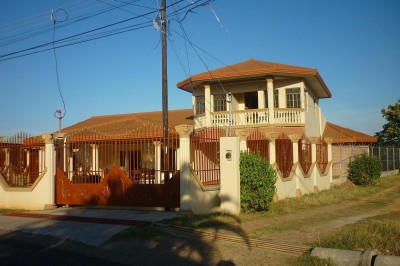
17, 248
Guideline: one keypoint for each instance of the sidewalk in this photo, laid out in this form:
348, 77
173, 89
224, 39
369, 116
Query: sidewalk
90, 233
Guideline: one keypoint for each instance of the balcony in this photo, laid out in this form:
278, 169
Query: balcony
254, 117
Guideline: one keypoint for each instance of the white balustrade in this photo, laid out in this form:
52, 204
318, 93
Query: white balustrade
252, 117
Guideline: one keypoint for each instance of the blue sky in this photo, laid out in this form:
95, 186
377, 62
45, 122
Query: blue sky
355, 45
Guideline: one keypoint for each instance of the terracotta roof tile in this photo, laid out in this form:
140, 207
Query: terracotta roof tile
252, 68
345, 135
123, 123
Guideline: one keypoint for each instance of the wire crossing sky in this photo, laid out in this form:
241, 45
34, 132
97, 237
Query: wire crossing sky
109, 54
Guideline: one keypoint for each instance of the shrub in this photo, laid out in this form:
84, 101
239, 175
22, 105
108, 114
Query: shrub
257, 182
365, 170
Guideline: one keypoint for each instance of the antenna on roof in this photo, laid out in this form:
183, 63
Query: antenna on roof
59, 117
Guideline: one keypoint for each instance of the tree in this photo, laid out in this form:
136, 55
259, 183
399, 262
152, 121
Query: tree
390, 135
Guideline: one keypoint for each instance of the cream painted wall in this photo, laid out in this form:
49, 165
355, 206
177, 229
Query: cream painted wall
313, 116
202, 199
27, 198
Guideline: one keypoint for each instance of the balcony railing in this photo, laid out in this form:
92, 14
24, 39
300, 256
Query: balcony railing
252, 117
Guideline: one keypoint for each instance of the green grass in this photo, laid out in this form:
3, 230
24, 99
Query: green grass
380, 232
307, 260
336, 195
11, 210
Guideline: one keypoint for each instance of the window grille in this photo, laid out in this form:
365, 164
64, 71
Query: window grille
200, 105
293, 98
276, 98
219, 102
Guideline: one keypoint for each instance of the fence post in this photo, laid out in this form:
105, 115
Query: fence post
295, 142
329, 143
272, 153
184, 132
157, 163
242, 134
387, 159
314, 141
230, 175
51, 169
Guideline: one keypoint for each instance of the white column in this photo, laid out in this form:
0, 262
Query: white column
184, 132
295, 138
7, 162
7, 152
272, 152
242, 134
261, 99
157, 163
314, 141
270, 92
95, 158
329, 143
50, 164
207, 103
40, 160
28, 161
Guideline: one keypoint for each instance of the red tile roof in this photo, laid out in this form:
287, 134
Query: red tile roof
123, 123
345, 135
256, 69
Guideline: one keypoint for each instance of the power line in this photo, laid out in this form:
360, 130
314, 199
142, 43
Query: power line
29, 34
54, 18
28, 51
82, 41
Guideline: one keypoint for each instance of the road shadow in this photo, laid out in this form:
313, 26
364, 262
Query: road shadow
58, 242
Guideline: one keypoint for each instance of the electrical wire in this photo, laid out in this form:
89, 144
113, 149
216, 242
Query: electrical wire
29, 34
55, 19
26, 51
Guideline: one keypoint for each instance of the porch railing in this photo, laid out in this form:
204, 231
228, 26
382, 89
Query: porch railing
252, 117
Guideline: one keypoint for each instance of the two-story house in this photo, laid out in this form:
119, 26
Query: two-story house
279, 97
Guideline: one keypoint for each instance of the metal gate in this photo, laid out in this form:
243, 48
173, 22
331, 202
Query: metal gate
135, 169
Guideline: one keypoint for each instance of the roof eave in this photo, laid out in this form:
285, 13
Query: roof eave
197, 80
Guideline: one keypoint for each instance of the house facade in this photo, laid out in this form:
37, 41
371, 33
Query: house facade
278, 97
128, 159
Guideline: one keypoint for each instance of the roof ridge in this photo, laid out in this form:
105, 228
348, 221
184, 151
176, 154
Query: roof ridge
134, 114
349, 129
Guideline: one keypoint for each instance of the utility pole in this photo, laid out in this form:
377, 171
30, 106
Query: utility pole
164, 67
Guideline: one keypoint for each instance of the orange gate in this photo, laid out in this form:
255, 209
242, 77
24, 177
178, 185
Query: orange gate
136, 169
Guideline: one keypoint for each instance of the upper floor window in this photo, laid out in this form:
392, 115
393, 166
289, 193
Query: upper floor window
293, 98
200, 105
219, 102
276, 98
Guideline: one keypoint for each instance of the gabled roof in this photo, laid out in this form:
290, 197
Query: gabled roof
345, 135
123, 123
256, 69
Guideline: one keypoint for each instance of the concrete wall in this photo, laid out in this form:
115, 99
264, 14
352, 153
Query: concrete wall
34, 198
202, 200
41, 194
